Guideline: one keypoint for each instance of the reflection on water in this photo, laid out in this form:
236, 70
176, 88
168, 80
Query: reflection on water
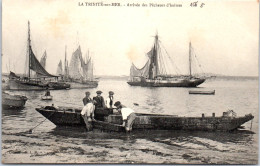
51, 144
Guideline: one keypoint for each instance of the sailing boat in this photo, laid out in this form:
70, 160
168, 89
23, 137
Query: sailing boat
153, 73
79, 73
43, 79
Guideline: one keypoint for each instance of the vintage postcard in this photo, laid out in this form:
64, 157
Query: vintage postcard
130, 82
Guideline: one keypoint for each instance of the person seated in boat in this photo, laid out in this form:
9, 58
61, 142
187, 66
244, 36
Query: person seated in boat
99, 101
87, 114
87, 98
110, 100
128, 115
48, 93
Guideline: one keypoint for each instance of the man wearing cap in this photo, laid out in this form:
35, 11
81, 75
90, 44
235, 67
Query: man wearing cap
99, 100
87, 98
110, 100
128, 115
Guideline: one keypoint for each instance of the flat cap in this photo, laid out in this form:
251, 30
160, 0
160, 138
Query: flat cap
118, 103
99, 92
111, 92
87, 93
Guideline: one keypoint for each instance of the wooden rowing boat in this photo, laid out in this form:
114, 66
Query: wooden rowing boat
46, 97
196, 92
64, 116
13, 101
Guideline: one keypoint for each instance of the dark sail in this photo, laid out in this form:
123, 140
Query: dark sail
36, 66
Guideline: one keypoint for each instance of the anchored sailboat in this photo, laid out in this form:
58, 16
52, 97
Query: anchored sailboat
79, 73
43, 79
154, 72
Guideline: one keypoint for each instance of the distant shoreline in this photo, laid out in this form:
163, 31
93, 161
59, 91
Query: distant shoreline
124, 77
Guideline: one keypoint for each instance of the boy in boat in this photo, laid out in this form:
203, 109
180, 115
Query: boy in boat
48, 93
128, 116
87, 114
99, 101
110, 100
87, 98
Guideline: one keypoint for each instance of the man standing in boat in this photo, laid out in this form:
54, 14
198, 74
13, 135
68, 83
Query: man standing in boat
110, 100
128, 116
48, 93
99, 101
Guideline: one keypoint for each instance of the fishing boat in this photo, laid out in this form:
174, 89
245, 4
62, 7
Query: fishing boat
13, 101
198, 92
46, 97
156, 74
105, 119
79, 73
37, 78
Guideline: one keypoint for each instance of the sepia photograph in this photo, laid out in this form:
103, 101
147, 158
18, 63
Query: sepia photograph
130, 82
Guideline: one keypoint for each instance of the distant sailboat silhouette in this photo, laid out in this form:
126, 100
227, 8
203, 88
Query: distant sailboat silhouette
153, 73
79, 72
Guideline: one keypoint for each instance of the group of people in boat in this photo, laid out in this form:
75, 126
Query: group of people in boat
98, 102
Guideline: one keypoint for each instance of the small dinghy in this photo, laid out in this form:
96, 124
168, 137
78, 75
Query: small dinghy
197, 92
13, 101
46, 97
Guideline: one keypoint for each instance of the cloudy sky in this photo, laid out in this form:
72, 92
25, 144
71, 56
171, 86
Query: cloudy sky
224, 34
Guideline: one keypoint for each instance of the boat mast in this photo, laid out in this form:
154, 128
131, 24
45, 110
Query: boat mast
190, 59
154, 60
156, 54
29, 46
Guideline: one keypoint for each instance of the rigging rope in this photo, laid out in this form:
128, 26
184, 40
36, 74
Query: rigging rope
162, 65
177, 69
197, 61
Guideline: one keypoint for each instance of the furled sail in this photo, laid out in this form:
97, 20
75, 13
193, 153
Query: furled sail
59, 69
75, 66
36, 66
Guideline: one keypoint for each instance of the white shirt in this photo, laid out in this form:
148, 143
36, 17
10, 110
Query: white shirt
108, 102
88, 109
126, 112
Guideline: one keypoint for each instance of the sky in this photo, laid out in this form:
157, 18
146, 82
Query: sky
224, 34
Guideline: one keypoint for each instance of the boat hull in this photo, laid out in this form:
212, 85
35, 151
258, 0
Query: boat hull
202, 92
178, 83
72, 117
76, 85
15, 84
13, 101
46, 97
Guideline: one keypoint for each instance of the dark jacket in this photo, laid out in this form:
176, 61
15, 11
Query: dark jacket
86, 100
48, 93
100, 102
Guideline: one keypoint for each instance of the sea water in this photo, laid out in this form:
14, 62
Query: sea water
50, 144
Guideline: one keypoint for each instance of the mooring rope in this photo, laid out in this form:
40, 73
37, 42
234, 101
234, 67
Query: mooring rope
30, 131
